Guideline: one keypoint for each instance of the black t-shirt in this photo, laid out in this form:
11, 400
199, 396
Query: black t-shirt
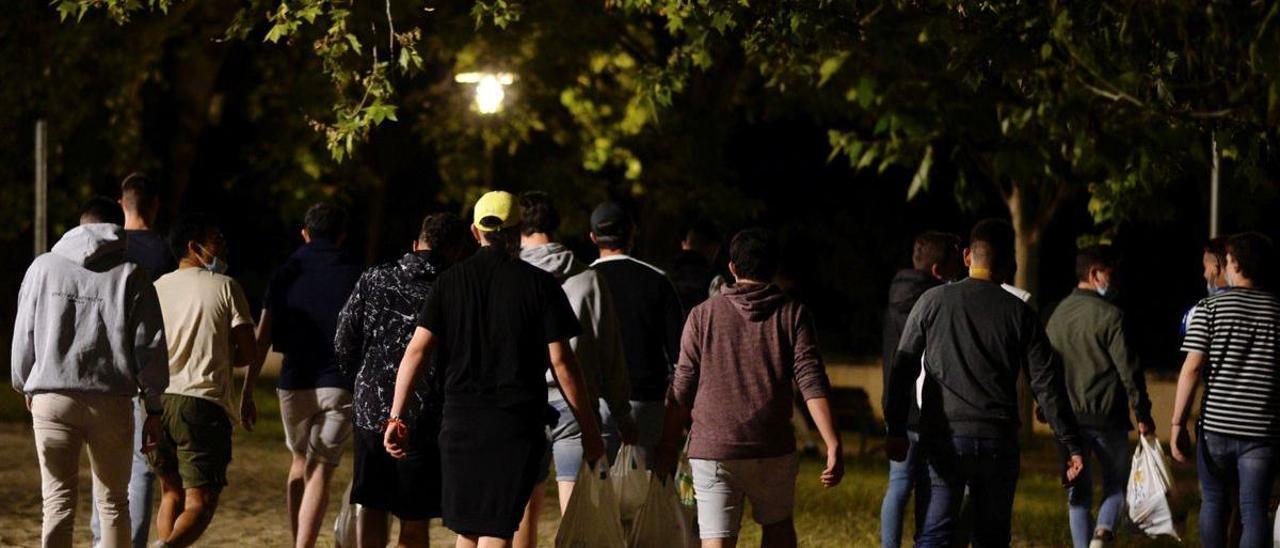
494, 315
150, 252
650, 319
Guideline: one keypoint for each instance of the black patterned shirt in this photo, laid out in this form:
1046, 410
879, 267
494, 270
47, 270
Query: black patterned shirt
373, 330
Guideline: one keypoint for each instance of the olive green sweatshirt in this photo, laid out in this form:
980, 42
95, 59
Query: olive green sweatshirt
1103, 375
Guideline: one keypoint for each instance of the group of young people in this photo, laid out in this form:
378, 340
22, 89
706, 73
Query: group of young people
462, 373
955, 347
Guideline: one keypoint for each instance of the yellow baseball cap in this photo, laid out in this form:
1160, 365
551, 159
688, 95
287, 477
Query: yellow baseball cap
496, 210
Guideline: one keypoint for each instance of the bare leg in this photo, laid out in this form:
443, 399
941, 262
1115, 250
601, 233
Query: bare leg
171, 496
779, 535
371, 528
294, 488
565, 490
491, 542
527, 535
315, 500
720, 542
467, 542
414, 534
198, 507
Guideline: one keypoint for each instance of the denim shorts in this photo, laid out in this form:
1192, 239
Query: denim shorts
723, 486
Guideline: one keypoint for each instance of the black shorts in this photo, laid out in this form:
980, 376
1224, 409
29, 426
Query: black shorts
491, 458
408, 488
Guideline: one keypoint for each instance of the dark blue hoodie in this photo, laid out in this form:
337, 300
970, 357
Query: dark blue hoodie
304, 297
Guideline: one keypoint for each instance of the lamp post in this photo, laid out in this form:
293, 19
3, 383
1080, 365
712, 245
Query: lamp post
490, 89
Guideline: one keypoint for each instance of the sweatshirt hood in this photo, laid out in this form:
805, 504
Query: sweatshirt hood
754, 301
88, 244
907, 286
554, 258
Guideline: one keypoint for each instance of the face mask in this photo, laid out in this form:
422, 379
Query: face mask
214, 265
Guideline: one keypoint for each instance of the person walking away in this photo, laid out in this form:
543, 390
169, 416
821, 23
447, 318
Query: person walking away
373, 329
974, 338
935, 260
598, 348
1231, 346
1104, 379
88, 338
741, 351
494, 324
694, 270
210, 332
650, 319
300, 319
139, 199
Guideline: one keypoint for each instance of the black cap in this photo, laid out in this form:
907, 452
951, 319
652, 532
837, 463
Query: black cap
611, 224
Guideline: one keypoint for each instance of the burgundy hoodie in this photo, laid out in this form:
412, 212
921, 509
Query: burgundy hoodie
740, 353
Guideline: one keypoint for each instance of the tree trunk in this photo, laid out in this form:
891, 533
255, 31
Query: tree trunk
1026, 231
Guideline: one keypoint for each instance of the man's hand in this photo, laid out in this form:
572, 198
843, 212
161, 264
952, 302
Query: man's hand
1146, 427
1075, 465
834, 472
248, 411
152, 430
627, 430
394, 440
28, 398
1180, 443
592, 448
895, 447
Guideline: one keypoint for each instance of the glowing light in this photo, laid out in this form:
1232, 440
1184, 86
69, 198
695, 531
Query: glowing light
489, 86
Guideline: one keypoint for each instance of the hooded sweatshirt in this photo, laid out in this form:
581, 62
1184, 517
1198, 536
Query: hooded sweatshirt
599, 347
89, 321
739, 356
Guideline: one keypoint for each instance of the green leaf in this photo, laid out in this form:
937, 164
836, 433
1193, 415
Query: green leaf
829, 67
355, 42
920, 180
278, 31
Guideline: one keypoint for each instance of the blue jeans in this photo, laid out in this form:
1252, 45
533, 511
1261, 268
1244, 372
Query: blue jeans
142, 484
1111, 447
989, 468
904, 477
1226, 462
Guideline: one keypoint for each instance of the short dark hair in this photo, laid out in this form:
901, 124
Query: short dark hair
538, 213
505, 239
934, 248
1095, 256
138, 192
101, 210
1218, 248
443, 231
992, 241
1254, 253
195, 227
325, 220
755, 254
703, 233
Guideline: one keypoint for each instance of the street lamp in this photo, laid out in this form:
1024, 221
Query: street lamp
489, 88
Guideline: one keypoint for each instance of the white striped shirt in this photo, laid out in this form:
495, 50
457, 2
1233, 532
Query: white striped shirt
1239, 331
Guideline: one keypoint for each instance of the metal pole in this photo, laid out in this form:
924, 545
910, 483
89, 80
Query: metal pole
41, 227
1213, 189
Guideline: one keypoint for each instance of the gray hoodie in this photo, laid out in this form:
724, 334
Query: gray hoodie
599, 348
89, 321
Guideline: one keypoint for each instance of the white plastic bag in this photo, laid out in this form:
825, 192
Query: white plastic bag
591, 518
661, 521
630, 479
1149, 485
1275, 530
344, 528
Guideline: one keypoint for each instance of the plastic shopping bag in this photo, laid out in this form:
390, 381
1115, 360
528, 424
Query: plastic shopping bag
591, 518
687, 496
1275, 531
344, 528
630, 479
1149, 485
661, 521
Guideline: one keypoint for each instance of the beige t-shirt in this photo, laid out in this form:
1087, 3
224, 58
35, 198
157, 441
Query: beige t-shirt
200, 309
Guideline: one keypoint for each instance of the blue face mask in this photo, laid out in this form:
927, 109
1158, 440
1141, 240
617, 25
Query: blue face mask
214, 265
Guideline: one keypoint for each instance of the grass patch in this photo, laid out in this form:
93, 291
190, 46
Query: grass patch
252, 509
